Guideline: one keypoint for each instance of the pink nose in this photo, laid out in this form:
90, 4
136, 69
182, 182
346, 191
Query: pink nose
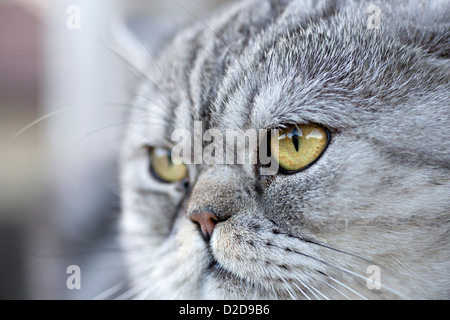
207, 222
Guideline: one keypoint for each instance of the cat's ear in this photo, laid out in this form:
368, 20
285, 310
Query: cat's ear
137, 40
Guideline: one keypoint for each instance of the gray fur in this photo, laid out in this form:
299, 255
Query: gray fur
379, 195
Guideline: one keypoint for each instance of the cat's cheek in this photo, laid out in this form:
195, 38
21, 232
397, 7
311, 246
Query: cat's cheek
242, 252
226, 248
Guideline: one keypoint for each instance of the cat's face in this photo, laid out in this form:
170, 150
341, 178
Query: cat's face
367, 219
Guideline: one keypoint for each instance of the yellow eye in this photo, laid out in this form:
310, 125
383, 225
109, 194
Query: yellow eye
164, 168
298, 146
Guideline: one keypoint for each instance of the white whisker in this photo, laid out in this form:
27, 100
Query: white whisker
108, 293
348, 288
306, 287
339, 291
35, 122
302, 291
320, 293
289, 290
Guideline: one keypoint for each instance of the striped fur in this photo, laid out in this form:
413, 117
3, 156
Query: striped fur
379, 194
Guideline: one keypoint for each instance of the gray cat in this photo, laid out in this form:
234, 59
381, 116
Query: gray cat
362, 212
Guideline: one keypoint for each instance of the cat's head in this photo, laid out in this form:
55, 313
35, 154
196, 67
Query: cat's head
366, 216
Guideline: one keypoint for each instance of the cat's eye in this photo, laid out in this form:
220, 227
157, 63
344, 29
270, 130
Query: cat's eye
296, 147
164, 168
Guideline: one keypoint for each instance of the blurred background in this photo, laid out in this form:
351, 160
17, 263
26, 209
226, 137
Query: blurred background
64, 93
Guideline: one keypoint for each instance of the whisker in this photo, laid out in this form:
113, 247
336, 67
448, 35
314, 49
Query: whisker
323, 245
307, 297
110, 291
117, 288
306, 287
35, 122
341, 269
346, 253
326, 246
336, 250
136, 286
378, 283
141, 296
98, 130
412, 273
139, 74
290, 292
130, 293
147, 97
320, 293
152, 56
136, 121
348, 288
339, 291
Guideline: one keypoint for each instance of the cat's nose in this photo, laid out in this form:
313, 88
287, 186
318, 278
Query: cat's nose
207, 221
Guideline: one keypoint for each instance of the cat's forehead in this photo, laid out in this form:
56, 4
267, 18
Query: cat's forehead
277, 63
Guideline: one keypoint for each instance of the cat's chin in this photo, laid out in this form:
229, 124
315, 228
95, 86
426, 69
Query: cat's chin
222, 284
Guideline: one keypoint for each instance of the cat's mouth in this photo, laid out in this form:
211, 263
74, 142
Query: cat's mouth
214, 264
219, 271
225, 264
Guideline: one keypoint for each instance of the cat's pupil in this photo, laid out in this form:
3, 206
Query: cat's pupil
295, 138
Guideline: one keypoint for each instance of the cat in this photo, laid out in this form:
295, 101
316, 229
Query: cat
367, 219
